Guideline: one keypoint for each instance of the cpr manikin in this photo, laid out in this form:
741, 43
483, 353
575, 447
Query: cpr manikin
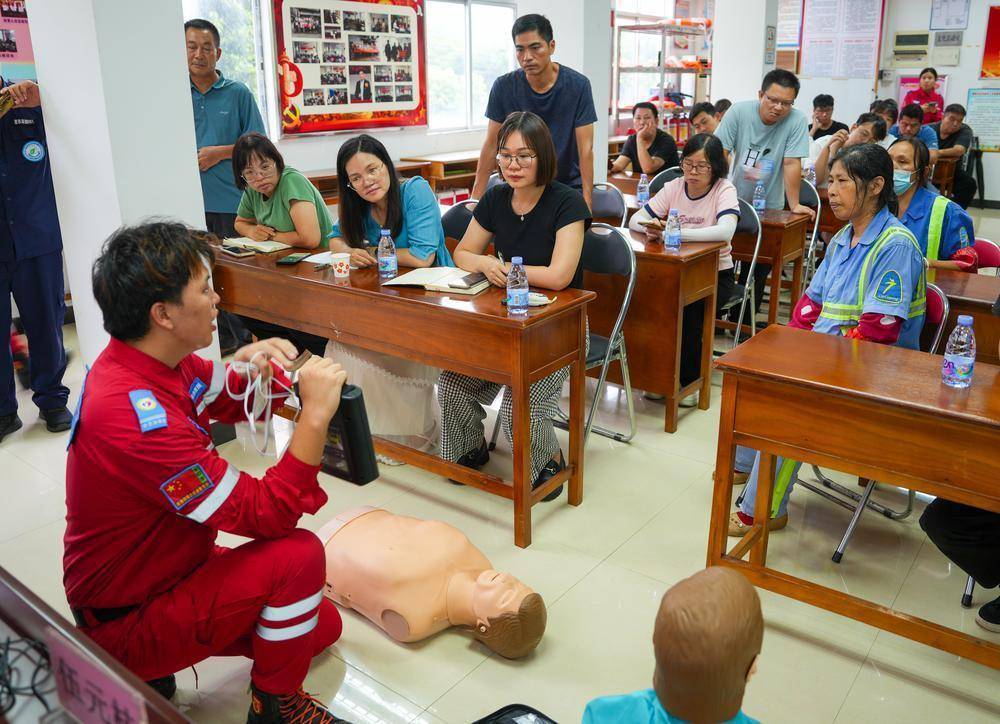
414, 578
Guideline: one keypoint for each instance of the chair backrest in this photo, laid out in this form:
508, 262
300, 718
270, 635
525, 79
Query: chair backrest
606, 250
608, 203
808, 195
495, 179
989, 254
456, 219
935, 319
663, 178
749, 222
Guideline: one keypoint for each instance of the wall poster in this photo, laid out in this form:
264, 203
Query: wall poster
841, 38
350, 64
17, 62
991, 46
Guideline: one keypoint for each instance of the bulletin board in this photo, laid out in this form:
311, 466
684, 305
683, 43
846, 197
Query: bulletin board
983, 114
346, 65
17, 61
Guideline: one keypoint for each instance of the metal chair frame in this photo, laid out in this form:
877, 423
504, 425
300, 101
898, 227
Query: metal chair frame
863, 500
809, 265
970, 585
747, 211
616, 192
614, 352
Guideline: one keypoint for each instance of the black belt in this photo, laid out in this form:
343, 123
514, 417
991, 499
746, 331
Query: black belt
90, 617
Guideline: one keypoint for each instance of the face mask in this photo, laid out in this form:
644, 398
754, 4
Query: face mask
901, 181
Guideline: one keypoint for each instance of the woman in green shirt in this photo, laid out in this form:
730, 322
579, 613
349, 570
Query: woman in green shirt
279, 203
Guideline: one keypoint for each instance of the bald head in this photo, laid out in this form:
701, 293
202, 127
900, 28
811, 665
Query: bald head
707, 636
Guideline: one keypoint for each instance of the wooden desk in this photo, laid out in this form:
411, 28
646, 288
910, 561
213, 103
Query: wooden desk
865, 391
470, 335
31, 617
625, 181
972, 294
665, 283
615, 144
325, 179
450, 170
944, 175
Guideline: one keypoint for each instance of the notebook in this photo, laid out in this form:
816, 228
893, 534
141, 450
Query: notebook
261, 247
442, 279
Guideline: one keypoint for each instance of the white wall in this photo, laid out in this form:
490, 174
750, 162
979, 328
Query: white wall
738, 47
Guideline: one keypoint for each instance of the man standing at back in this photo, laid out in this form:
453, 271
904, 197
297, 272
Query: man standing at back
765, 141
224, 110
559, 95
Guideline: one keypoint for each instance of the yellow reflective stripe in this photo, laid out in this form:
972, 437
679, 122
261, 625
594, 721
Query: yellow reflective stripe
835, 305
934, 227
839, 317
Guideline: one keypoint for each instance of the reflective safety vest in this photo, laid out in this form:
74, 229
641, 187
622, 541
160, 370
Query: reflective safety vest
850, 314
934, 228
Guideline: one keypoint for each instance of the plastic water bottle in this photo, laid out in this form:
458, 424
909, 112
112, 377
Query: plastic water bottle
672, 232
517, 288
759, 197
388, 264
809, 173
959, 355
642, 190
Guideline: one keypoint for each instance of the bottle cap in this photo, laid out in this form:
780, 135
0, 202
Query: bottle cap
517, 260
643, 177
674, 212
385, 232
965, 320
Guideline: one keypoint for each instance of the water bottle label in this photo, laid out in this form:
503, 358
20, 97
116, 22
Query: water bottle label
387, 265
957, 367
674, 239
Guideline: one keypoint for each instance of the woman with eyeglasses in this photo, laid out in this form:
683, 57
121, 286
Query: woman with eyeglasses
278, 204
709, 209
543, 222
399, 394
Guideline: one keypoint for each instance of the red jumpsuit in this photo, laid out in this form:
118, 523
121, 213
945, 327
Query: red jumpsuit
146, 494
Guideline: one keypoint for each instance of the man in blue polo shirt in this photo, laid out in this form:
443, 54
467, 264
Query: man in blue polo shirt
910, 123
30, 261
559, 95
224, 110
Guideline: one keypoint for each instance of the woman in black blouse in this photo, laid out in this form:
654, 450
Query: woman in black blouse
543, 221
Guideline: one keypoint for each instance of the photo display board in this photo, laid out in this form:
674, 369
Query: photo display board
345, 65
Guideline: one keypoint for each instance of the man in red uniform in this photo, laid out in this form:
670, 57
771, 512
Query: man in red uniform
147, 493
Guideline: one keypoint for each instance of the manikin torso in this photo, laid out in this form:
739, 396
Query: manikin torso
395, 570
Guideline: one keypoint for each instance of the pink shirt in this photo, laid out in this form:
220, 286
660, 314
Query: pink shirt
696, 213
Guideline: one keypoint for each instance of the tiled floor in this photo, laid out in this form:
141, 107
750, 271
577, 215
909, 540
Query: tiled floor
601, 568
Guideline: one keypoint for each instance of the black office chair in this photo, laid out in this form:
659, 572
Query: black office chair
608, 202
456, 219
663, 178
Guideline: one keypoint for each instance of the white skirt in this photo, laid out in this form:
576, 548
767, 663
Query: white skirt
399, 394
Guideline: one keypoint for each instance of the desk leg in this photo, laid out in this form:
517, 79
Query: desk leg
672, 328
521, 443
772, 305
796, 291
707, 339
725, 458
762, 507
577, 382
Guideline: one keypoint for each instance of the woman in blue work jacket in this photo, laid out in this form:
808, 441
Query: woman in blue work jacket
871, 286
943, 229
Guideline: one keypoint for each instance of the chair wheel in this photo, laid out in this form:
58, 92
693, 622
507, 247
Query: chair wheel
837, 556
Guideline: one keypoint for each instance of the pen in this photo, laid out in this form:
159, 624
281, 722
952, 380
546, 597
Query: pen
500, 257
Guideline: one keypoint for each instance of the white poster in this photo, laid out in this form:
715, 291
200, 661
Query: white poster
789, 23
984, 115
949, 14
840, 38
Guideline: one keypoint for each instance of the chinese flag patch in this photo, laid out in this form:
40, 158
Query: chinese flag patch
187, 485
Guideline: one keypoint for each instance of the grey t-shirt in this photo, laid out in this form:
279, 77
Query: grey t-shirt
749, 142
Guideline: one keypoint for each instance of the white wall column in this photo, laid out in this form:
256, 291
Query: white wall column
738, 40
117, 104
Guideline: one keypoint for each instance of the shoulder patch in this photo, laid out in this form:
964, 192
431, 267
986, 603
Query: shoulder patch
148, 410
890, 288
197, 389
963, 236
75, 423
187, 485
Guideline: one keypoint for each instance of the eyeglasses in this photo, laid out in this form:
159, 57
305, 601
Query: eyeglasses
523, 159
778, 102
696, 167
265, 170
371, 173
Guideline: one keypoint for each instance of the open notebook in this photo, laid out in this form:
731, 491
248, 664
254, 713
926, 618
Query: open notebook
442, 279
261, 247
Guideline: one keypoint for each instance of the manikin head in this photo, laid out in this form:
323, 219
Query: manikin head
510, 617
706, 641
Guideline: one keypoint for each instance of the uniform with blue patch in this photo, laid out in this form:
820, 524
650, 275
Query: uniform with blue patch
197, 389
890, 288
148, 410
189, 484
956, 230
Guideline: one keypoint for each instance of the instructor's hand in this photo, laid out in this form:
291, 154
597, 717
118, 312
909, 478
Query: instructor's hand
320, 383
25, 94
280, 350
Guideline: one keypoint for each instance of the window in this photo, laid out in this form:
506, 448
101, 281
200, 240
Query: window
238, 24
639, 49
459, 80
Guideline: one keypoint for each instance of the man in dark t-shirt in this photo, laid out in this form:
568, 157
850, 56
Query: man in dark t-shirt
649, 150
822, 120
954, 141
558, 94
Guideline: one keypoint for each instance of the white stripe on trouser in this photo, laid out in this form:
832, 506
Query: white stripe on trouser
292, 610
216, 387
289, 632
217, 497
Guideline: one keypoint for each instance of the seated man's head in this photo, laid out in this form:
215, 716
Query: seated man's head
706, 640
510, 616
910, 120
869, 128
152, 281
887, 110
704, 117
953, 118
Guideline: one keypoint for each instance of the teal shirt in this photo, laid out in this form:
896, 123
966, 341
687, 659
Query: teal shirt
421, 231
221, 115
639, 707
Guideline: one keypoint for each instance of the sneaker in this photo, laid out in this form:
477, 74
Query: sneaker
296, 707
8, 424
989, 616
58, 419
738, 477
551, 468
474, 459
386, 460
652, 396
165, 686
738, 529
